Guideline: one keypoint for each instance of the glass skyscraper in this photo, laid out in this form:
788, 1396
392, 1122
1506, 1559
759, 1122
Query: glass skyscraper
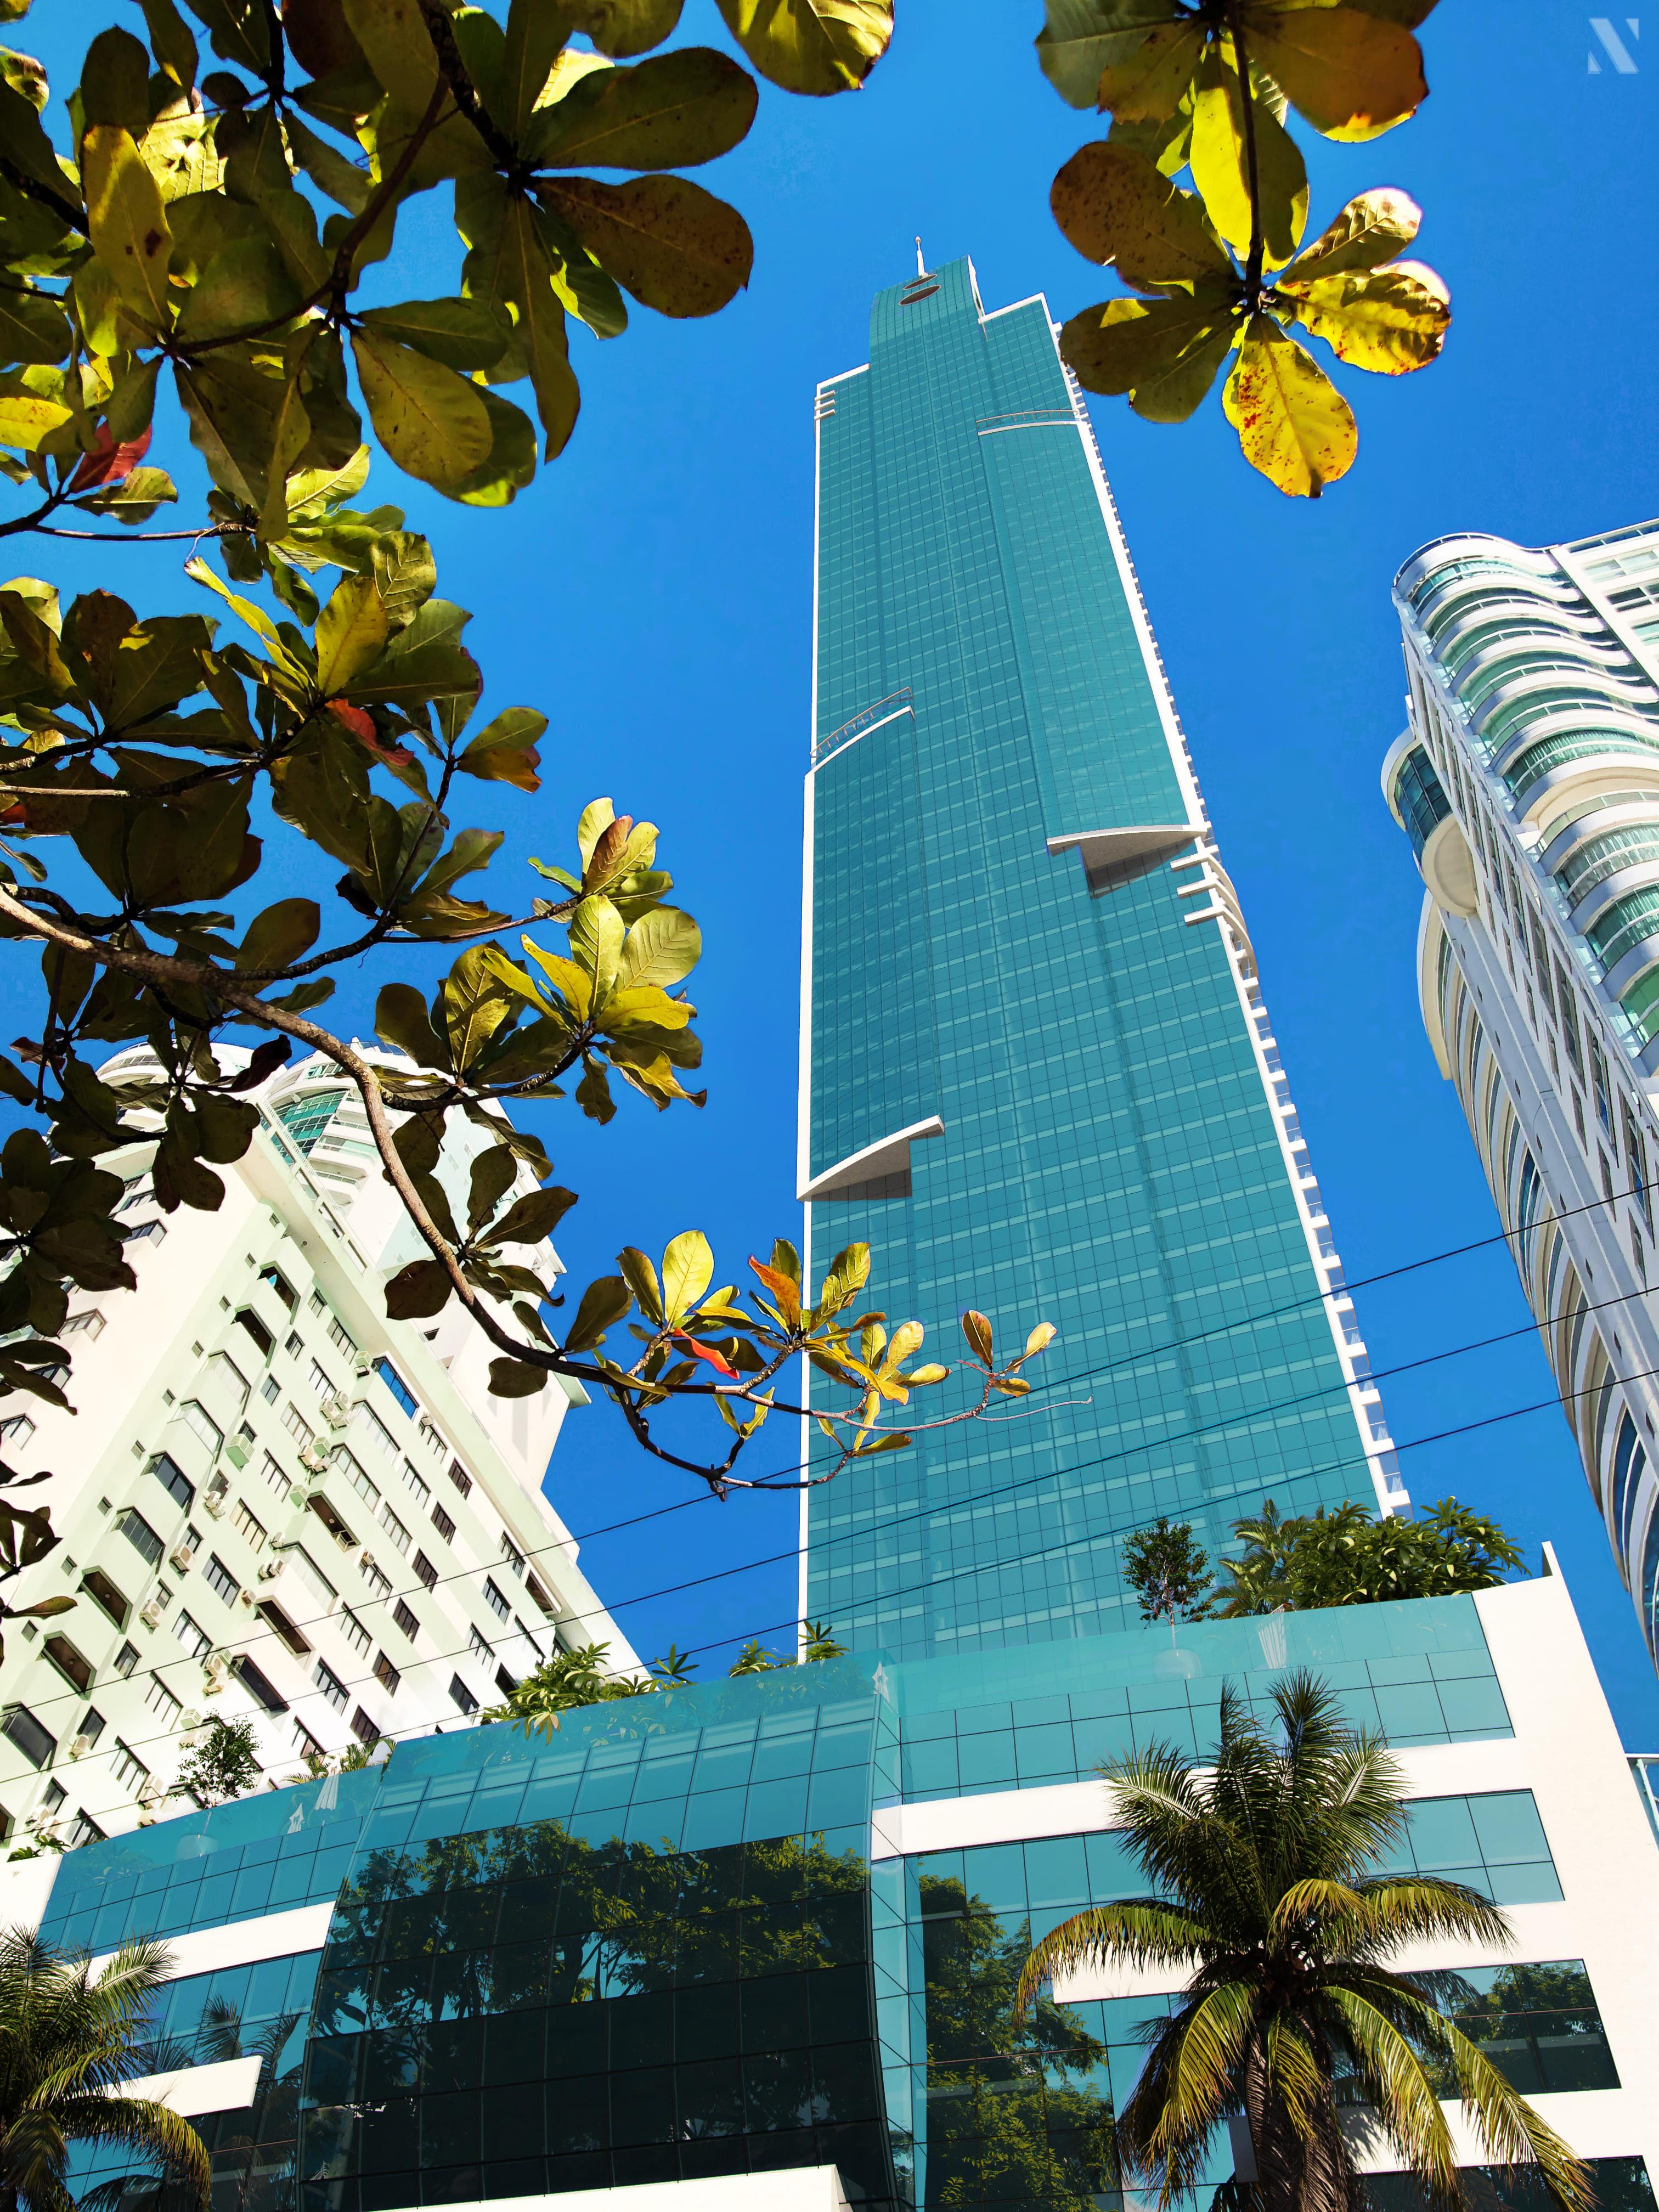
1037, 1075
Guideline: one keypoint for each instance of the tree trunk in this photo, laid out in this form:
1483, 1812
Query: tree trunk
1294, 2175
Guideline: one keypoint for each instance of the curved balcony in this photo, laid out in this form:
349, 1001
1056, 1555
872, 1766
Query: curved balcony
1504, 726
1544, 629
1546, 759
1469, 553
1563, 833
1418, 801
1596, 871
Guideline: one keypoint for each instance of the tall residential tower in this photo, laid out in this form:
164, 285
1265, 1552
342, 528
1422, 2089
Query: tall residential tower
1528, 782
1037, 1073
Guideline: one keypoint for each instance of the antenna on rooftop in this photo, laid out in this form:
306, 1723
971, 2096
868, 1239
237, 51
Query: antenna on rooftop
921, 266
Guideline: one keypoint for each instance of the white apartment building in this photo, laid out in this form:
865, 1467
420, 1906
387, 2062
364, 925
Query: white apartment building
274, 1502
1528, 783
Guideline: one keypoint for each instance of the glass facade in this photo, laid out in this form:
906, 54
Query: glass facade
997, 941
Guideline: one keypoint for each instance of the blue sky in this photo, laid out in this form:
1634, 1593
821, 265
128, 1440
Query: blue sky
652, 594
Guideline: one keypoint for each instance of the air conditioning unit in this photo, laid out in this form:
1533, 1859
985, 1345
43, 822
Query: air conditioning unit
153, 1793
215, 1505
337, 1410
237, 1453
180, 1558
215, 1669
150, 1615
188, 1724
315, 1460
81, 1746
271, 1569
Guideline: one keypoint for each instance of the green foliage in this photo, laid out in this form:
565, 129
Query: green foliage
1168, 1570
571, 1680
1207, 88
1347, 1556
1266, 1899
71, 2040
223, 1763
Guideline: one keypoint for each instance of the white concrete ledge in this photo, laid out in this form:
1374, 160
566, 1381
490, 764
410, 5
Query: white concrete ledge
228, 2086
245, 1942
887, 1155
807, 2189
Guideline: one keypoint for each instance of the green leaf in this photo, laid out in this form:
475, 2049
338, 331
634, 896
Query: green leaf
532, 1218
514, 1378
476, 1003
418, 1291
596, 944
815, 47
510, 464
976, 1330
492, 1176
284, 933
460, 333
622, 28
431, 422
327, 168
688, 1269
671, 112
1117, 209
662, 947
1292, 422
238, 31
1350, 75
674, 247
1150, 86
640, 1275
504, 750
170, 42
401, 1018
1082, 38
134, 499
352, 632
27, 417
127, 222
33, 327
115, 82
604, 1303
535, 34
246, 283
1163, 353
405, 574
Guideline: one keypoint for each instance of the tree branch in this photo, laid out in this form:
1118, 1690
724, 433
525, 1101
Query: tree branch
452, 71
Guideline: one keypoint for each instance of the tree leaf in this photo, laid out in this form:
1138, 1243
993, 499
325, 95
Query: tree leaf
420, 1289
516, 1378
460, 333
282, 935
527, 278
127, 222
1116, 209
1150, 86
604, 1303
353, 630
977, 1331
815, 47
670, 113
504, 750
1081, 40
1292, 422
1391, 321
492, 1177
1350, 75
596, 944
671, 243
622, 28
32, 327
533, 1217
475, 1003
26, 417
1220, 164
402, 1018
510, 464
1369, 230
1163, 353
430, 420
405, 574
688, 1269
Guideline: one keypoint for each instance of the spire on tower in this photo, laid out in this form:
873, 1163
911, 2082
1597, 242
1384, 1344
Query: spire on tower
921, 266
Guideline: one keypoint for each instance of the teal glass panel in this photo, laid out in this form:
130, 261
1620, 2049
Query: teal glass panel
987, 694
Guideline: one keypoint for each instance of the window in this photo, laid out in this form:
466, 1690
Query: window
297, 1425
259, 1685
160, 1701
139, 1533
394, 1528
306, 1745
442, 1522
226, 1375
460, 1478
1636, 1162
396, 1384
478, 1648
544, 1603
421, 1489
537, 1648
220, 1581
463, 1700
147, 1232
368, 1491
512, 1555
1599, 1084
69, 1661
425, 1569
279, 1283
494, 1599
317, 1303
102, 1592
342, 1340
385, 1673
320, 1382
274, 1473
89, 1323
271, 1390
171, 1477
126, 1659
1638, 1252
429, 1436
263, 1338
86, 1830
378, 1581
1578, 1120
1606, 1175
129, 1773
17, 1430
331, 1520
296, 1639
202, 1425
33, 1740
92, 1724
366, 1731
331, 1685
353, 1631
248, 1528
405, 1620
196, 1642
373, 1432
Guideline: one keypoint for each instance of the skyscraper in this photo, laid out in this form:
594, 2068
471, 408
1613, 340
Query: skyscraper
1037, 1073
1528, 783
273, 1503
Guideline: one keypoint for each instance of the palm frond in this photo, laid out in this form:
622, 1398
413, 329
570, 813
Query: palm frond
1512, 2132
1146, 1931
1419, 1908
1168, 2160
1404, 2096
146, 2125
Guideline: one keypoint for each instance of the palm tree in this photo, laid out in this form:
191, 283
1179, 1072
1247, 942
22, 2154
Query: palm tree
68, 2042
1268, 1900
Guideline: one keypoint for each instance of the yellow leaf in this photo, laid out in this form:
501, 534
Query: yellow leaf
1220, 164
26, 417
906, 1339
127, 222
352, 632
688, 1269
1040, 1339
1163, 353
1115, 209
1391, 321
977, 1331
932, 1373
1292, 422
429, 419
811, 45
1369, 230
1351, 75
1148, 87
